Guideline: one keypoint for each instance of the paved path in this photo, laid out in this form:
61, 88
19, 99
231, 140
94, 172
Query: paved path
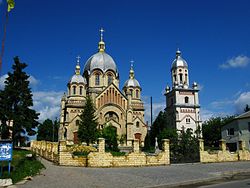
64, 177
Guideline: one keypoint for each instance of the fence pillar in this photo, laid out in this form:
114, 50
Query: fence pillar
223, 145
165, 146
201, 144
136, 146
101, 147
242, 145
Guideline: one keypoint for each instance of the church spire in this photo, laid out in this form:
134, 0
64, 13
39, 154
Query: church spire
101, 45
131, 72
77, 70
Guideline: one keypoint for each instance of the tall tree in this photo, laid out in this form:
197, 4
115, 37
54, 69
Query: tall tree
87, 130
247, 108
17, 102
159, 125
48, 130
211, 130
110, 135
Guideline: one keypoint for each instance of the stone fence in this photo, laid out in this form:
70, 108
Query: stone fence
63, 156
135, 158
46, 149
223, 155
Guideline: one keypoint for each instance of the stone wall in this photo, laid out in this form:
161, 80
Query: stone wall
66, 158
222, 155
61, 155
135, 158
46, 149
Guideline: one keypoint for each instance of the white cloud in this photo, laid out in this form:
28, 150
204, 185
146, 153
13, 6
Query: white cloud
236, 62
47, 103
207, 114
241, 101
2, 79
221, 104
33, 81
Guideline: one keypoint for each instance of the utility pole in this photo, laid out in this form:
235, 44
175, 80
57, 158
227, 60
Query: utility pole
151, 112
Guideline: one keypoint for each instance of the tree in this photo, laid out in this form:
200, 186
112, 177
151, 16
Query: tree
48, 130
159, 124
17, 102
247, 108
211, 130
87, 130
110, 135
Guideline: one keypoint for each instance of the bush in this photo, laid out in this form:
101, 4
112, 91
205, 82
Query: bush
80, 150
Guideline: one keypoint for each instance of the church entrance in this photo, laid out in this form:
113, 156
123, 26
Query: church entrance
138, 137
76, 140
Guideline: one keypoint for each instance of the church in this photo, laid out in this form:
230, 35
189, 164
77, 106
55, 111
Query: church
182, 101
122, 109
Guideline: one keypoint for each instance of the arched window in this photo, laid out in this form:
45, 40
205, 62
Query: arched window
181, 79
137, 93
110, 79
74, 90
97, 79
131, 91
174, 77
77, 122
137, 124
186, 100
80, 90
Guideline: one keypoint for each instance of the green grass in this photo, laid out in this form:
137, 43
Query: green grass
21, 166
117, 153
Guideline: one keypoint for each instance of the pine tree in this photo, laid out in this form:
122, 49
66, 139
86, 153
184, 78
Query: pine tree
17, 102
87, 130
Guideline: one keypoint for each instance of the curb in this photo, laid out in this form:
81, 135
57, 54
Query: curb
220, 176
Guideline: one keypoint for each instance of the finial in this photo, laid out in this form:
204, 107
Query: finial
101, 45
78, 59
131, 64
178, 52
77, 70
131, 72
101, 31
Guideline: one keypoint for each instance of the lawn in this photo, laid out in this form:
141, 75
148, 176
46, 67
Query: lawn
21, 166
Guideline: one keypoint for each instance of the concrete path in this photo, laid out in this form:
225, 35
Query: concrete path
160, 176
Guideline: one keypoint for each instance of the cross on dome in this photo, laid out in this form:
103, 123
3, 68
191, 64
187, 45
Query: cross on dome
78, 59
101, 31
101, 45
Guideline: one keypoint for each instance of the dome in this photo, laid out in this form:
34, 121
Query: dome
132, 83
78, 79
102, 61
179, 61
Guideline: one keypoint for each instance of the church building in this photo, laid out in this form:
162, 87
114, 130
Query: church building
182, 101
122, 109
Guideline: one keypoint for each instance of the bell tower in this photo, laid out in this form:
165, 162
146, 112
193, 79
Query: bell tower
182, 102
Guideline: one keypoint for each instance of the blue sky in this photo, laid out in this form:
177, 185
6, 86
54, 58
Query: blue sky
214, 37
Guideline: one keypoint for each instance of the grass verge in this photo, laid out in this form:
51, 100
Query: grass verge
21, 166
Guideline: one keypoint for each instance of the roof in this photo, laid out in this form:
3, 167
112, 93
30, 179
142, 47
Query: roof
102, 61
244, 115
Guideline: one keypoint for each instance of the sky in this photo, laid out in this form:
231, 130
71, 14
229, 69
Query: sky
213, 36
